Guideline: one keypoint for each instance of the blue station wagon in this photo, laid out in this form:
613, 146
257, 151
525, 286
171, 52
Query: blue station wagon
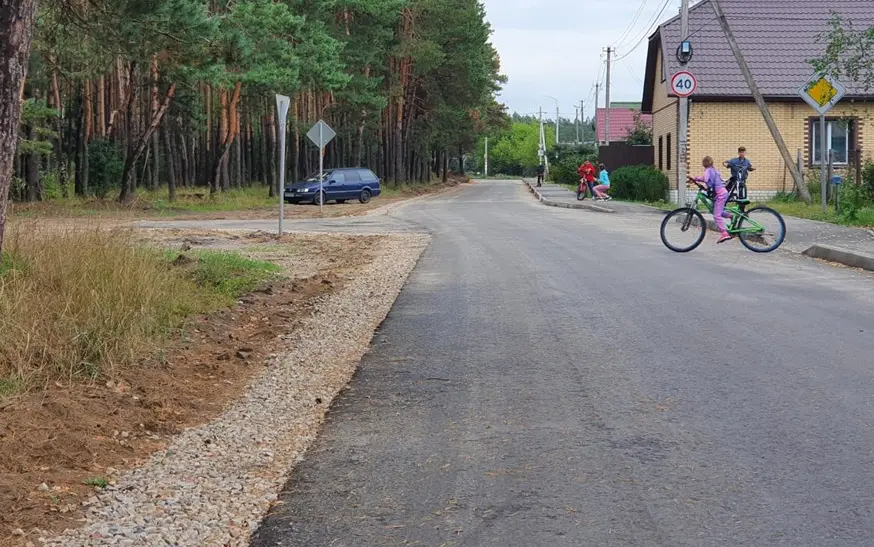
338, 185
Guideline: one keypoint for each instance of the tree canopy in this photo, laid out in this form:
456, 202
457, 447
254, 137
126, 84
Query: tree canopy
182, 91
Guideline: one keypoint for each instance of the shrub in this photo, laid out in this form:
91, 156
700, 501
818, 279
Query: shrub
854, 198
639, 183
105, 167
868, 176
566, 159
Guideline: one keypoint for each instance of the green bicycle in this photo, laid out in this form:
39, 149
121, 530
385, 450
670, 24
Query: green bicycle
760, 229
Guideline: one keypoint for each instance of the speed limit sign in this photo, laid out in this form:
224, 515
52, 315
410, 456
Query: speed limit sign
683, 84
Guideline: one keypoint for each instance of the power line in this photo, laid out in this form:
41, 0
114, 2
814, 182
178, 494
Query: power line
649, 28
630, 26
631, 72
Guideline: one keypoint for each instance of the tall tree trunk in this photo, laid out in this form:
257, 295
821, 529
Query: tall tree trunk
221, 171
183, 155
16, 22
31, 170
271, 150
101, 106
171, 164
127, 191
155, 104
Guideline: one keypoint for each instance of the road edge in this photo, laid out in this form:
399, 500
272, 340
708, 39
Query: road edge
550, 203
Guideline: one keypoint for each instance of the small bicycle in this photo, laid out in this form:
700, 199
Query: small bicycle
760, 229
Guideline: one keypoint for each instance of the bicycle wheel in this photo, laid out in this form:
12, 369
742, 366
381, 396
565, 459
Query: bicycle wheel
761, 229
683, 230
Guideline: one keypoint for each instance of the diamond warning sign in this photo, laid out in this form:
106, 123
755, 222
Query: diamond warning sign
822, 93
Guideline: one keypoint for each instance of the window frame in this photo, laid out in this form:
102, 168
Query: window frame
670, 152
661, 153
852, 139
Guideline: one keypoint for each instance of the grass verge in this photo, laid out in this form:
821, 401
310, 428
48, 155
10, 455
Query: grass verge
188, 200
864, 217
76, 304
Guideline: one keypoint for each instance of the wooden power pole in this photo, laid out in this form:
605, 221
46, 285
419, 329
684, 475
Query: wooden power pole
760, 102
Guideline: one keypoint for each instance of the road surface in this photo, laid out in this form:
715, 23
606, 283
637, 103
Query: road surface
555, 377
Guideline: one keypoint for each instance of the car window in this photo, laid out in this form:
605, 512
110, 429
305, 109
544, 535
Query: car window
352, 176
367, 175
315, 176
339, 176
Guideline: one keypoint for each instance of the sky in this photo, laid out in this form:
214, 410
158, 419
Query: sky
556, 48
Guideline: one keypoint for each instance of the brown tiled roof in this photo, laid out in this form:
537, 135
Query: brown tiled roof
777, 38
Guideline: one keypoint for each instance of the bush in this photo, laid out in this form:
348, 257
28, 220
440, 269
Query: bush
639, 183
854, 198
868, 176
105, 167
566, 159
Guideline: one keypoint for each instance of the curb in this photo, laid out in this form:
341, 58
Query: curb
846, 257
564, 205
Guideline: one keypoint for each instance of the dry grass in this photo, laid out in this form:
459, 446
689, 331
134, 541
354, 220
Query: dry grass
76, 303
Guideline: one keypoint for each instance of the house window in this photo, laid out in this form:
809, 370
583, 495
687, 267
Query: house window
661, 152
670, 150
839, 137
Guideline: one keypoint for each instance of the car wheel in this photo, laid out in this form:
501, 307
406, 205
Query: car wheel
319, 198
365, 196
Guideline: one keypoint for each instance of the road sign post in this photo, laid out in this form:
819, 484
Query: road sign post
822, 93
321, 134
683, 85
282, 103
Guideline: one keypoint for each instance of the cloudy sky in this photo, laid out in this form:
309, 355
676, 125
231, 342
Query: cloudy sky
555, 47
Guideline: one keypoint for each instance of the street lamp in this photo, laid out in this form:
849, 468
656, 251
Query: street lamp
556, 116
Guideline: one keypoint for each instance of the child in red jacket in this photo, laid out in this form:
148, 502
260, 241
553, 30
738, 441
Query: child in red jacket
587, 177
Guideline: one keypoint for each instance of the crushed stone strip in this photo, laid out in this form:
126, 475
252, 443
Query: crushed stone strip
215, 483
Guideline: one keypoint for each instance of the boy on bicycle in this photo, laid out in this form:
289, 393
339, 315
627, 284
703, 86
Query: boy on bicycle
740, 167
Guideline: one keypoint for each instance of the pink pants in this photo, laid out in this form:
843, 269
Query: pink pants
719, 213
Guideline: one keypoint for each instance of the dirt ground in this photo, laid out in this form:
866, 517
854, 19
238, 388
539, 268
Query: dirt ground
59, 443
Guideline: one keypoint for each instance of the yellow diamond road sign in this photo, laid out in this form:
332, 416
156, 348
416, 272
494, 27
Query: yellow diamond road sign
822, 93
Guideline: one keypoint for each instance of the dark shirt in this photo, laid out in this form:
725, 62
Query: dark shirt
540, 169
740, 168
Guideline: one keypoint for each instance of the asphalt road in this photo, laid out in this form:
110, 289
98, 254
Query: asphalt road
555, 377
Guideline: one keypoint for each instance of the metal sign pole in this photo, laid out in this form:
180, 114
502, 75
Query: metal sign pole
822, 164
282, 104
321, 172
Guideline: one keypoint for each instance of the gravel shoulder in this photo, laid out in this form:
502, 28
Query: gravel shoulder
211, 484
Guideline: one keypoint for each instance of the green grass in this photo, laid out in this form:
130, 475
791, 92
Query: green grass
99, 482
230, 275
85, 302
864, 217
188, 200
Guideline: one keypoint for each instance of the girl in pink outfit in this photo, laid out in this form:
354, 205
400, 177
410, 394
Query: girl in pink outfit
714, 182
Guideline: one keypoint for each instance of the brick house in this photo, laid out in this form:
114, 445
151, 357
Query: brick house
621, 121
777, 37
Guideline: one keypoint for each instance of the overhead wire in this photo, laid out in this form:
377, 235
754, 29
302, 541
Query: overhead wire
649, 28
634, 20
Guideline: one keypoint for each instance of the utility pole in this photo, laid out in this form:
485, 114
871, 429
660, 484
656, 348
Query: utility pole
576, 124
541, 148
607, 119
557, 116
597, 101
683, 129
582, 121
487, 157
760, 102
